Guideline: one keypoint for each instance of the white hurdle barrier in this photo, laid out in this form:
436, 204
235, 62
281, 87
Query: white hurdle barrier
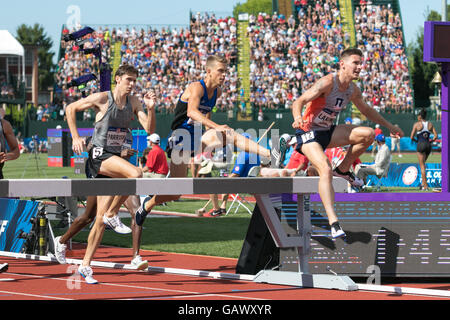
261, 188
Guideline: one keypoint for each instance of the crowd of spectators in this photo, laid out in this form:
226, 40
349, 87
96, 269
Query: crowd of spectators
75, 63
167, 59
170, 59
46, 112
385, 76
6, 89
287, 56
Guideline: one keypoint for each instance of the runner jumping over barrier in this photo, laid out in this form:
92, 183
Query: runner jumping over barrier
316, 131
193, 111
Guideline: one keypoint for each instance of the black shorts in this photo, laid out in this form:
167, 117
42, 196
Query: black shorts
94, 162
424, 147
322, 137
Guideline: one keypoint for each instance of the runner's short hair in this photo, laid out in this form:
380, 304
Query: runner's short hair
423, 114
212, 60
126, 69
351, 51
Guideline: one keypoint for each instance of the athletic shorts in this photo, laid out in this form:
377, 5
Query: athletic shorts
424, 147
321, 137
94, 162
177, 141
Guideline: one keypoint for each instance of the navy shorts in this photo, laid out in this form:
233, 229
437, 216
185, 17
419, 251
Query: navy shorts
177, 139
322, 137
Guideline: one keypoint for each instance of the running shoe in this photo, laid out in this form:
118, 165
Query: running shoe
60, 251
278, 153
3, 267
349, 176
86, 273
336, 231
141, 213
115, 224
214, 213
139, 264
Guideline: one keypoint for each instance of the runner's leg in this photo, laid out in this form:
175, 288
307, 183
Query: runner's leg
314, 152
360, 138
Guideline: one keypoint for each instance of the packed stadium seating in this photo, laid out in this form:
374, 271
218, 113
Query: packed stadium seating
385, 75
287, 55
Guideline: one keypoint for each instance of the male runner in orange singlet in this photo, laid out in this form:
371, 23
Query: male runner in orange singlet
316, 131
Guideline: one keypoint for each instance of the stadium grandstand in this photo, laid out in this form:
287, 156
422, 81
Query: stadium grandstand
287, 54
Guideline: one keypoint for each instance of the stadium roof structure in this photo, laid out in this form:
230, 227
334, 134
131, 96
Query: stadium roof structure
9, 45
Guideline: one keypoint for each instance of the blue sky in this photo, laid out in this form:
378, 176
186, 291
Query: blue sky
53, 14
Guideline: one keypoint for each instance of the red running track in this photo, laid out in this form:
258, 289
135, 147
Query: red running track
40, 280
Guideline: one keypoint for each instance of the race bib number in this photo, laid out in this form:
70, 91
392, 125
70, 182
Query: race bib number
308, 136
97, 152
116, 137
325, 118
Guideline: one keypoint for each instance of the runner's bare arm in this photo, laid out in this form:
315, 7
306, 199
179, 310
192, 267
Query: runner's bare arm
11, 139
147, 120
93, 101
322, 86
371, 113
413, 132
208, 116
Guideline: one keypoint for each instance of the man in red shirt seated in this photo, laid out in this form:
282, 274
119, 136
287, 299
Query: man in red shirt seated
156, 165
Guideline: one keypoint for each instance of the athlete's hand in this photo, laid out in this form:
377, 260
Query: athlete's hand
150, 99
396, 130
225, 133
78, 145
2, 157
127, 153
298, 123
225, 129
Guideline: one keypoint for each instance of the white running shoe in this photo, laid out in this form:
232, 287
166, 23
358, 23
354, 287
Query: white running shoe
336, 231
60, 251
278, 153
86, 273
115, 224
139, 263
350, 177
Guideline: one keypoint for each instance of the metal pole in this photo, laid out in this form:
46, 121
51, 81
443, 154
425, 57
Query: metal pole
444, 10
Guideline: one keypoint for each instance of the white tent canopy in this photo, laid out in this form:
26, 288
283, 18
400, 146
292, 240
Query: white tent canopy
9, 46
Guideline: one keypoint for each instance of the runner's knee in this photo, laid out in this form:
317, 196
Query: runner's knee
325, 170
135, 173
369, 135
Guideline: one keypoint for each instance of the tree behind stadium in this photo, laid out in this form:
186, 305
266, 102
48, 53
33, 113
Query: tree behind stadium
36, 36
422, 73
253, 7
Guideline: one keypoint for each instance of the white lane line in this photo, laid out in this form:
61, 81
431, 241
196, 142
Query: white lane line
33, 295
190, 293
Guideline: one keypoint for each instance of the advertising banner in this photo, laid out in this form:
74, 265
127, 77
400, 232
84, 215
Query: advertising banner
408, 175
15, 218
